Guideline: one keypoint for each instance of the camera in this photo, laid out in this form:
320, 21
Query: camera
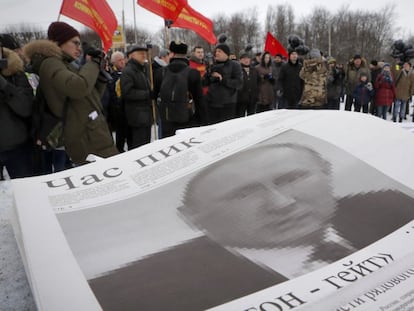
3, 61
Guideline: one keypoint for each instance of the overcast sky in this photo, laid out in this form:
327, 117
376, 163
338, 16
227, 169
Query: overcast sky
42, 12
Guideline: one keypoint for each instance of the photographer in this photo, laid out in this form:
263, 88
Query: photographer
73, 94
15, 109
225, 79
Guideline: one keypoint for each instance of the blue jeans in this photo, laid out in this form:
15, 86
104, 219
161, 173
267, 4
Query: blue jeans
399, 109
382, 112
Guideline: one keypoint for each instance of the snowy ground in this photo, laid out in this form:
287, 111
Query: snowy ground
15, 294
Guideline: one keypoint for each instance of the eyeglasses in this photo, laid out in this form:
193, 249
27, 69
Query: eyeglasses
76, 42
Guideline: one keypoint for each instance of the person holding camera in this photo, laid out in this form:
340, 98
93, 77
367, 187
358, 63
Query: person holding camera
73, 94
267, 81
225, 78
16, 100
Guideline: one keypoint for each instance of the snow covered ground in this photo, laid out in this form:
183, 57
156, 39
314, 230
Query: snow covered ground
15, 294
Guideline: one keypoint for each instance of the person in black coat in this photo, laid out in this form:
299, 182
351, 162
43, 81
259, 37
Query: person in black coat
290, 82
247, 95
179, 64
16, 99
136, 94
225, 79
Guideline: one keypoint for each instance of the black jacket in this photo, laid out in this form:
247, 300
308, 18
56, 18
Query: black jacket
250, 89
224, 92
16, 101
290, 82
135, 92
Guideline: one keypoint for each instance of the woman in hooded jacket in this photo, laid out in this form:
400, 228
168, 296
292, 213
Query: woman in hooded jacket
384, 91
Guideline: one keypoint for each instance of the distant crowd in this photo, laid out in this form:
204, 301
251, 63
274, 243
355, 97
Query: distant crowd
62, 101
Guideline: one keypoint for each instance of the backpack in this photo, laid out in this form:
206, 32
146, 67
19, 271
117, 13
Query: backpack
47, 129
175, 100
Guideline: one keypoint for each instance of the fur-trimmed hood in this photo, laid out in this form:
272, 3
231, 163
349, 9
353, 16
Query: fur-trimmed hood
14, 63
37, 51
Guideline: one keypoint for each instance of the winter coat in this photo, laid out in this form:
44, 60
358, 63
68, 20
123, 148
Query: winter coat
224, 92
249, 91
314, 73
290, 82
335, 80
404, 84
135, 90
384, 91
86, 130
363, 94
267, 81
353, 74
16, 101
194, 87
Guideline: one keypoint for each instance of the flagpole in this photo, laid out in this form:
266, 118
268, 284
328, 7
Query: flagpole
135, 23
154, 114
123, 26
167, 25
60, 11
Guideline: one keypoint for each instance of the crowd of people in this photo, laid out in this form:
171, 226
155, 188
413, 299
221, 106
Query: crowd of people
109, 104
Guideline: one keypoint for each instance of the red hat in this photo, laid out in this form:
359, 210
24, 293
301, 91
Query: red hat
61, 32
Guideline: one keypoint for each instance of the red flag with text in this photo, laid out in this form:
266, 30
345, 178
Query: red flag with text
273, 46
167, 9
193, 20
96, 14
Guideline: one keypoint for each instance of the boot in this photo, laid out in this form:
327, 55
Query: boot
394, 119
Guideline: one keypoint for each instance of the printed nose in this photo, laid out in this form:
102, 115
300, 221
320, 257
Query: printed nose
279, 198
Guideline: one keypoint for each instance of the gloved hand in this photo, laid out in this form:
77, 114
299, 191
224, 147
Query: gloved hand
279, 93
369, 86
3, 83
268, 76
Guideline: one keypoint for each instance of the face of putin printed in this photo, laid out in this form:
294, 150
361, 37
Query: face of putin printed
266, 197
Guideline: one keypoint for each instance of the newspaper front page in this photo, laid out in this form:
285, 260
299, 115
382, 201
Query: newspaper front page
277, 211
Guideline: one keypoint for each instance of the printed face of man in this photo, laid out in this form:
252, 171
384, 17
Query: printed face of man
268, 197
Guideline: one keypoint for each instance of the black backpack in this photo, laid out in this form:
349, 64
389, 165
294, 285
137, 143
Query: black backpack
47, 128
175, 100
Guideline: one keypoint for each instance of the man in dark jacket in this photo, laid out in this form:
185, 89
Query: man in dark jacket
225, 79
247, 95
16, 100
136, 93
290, 82
179, 65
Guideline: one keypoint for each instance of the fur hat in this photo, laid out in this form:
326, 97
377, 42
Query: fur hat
9, 42
178, 47
61, 32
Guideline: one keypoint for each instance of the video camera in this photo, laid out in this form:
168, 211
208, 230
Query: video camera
3, 61
99, 54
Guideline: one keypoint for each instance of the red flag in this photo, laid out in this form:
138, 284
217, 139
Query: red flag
96, 14
167, 9
193, 20
273, 46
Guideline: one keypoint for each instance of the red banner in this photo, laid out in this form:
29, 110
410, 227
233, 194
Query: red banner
273, 46
95, 14
193, 20
167, 9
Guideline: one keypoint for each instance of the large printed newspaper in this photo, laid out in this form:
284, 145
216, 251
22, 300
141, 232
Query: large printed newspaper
303, 210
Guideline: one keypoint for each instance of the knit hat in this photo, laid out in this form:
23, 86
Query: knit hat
356, 56
61, 32
9, 42
314, 53
331, 60
374, 62
178, 47
224, 47
386, 65
163, 53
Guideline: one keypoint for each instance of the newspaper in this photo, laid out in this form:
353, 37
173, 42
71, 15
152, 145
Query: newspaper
277, 211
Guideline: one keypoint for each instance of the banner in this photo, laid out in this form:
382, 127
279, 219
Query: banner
273, 46
95, 14
167, 9
193, 20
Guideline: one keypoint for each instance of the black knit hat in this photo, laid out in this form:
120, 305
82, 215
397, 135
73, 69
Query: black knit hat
178, 47
61, 32
9, 42
224, 47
